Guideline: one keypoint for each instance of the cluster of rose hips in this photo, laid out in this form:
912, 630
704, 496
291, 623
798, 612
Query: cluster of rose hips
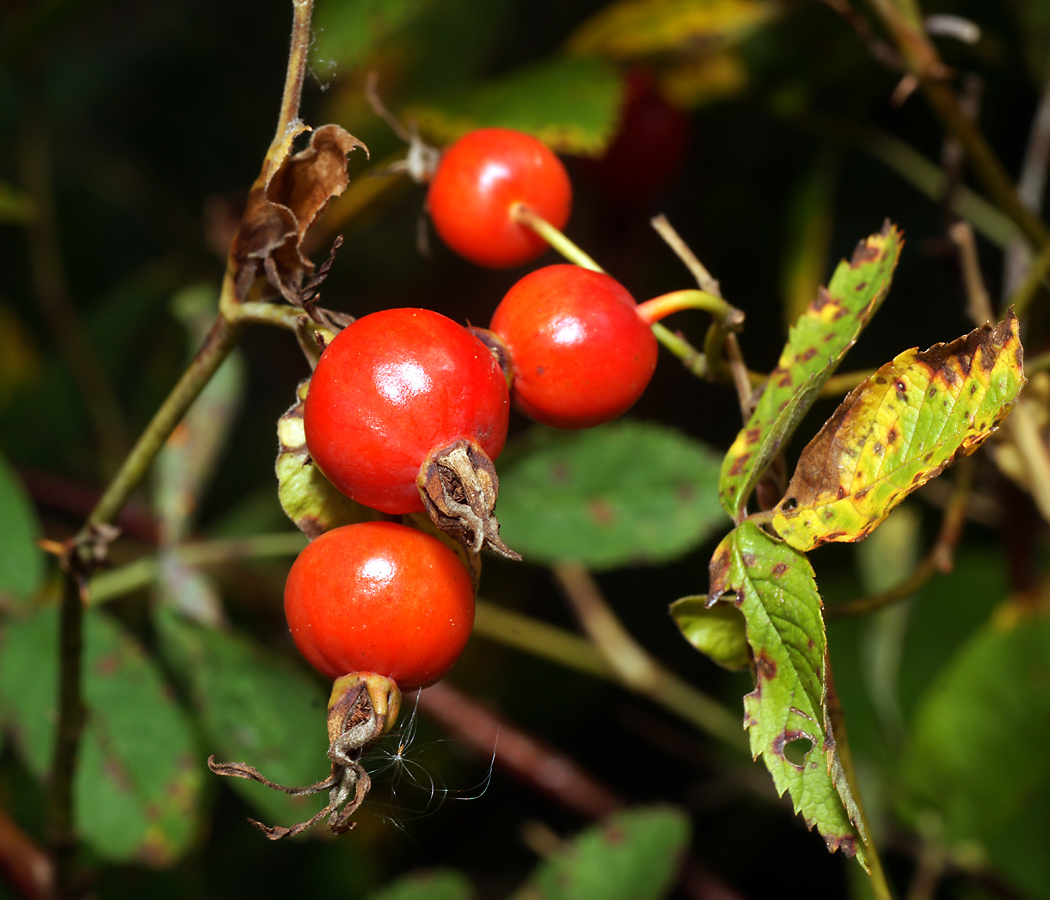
407, 409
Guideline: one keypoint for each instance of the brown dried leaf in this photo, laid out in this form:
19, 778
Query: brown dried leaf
284, 203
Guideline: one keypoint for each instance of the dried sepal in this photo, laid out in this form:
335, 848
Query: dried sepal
459, 486
362, 708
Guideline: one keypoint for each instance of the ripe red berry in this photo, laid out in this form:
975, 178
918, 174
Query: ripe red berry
392, 388
379, 597
579, 352
478, 181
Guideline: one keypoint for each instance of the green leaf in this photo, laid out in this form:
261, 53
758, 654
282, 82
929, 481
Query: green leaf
138, 782
978, 753
438, 884
897, 430
632, 855
571, 104
21, 560
775, 590
717, 631
254, 708
816, 345
309, 499
629, 492
633, 29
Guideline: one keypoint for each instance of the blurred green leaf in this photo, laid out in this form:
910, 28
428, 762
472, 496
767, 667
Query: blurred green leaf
184, 466
629, 492
138, 781
717, 631
632, 855
978, 752
809, 231
774, 587
571, 104
816, 344
254, 708
633, 29
438, 884
346, 32
21, 560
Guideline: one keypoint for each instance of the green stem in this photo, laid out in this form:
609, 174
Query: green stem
879, 885
143, 571
694, 361
221, 339
525, 216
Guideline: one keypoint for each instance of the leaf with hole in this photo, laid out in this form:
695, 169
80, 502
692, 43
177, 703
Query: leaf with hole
897, 430
816, 345
786, 717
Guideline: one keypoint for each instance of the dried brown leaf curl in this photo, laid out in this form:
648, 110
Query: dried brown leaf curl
283, 204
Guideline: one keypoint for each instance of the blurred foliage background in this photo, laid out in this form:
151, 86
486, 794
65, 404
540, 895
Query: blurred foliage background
774, 138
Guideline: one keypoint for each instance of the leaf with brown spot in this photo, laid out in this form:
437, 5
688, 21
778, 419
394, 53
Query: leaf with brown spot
816, 345
897, 430
773, 586
286, 199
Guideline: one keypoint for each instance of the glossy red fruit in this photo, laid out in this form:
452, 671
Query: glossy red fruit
391, 388
379, 597
579, 352
480, 178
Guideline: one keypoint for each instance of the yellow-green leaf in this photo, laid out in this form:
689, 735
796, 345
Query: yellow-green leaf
816, 345
716, 631
310, 500
635, 28
786, 717
897, 430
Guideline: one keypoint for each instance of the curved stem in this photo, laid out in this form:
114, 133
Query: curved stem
660, 307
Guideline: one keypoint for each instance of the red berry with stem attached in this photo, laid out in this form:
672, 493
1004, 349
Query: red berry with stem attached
579, 352
479, 180
391, 388
379, 597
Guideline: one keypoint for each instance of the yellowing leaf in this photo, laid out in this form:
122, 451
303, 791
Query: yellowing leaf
816, 344
570, 104
786, 717
897, 430
634, 28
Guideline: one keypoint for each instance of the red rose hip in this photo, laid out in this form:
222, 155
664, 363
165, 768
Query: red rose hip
379, 597
480, 178
579, 352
